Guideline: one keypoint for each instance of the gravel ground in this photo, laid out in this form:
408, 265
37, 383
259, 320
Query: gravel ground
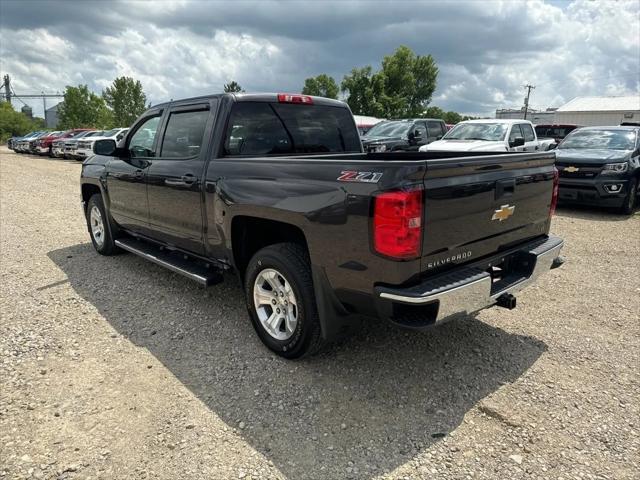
116, 368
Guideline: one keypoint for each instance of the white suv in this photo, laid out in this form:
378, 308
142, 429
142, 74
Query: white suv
85, 145
495, 135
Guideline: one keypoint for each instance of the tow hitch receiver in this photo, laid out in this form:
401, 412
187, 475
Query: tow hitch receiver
506, 300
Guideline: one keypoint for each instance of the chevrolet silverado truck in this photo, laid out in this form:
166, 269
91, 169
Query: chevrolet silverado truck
277, 188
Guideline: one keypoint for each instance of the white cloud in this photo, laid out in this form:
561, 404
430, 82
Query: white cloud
486, 51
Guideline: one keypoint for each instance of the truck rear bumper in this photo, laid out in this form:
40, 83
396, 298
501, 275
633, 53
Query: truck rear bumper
468, 289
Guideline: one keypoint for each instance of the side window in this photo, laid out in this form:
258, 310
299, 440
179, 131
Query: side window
420, 130
528, 132
435, 129
141, 143
184, 134
515, 133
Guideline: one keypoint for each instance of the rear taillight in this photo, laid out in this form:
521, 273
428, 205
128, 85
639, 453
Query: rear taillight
294, 98
554, 194
397, 224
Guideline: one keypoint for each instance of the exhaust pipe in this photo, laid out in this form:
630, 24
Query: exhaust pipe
506, 300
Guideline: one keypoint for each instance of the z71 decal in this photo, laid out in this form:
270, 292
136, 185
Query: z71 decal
367, 177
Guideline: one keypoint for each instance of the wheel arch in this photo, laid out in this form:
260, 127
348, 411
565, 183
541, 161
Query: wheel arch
250, 234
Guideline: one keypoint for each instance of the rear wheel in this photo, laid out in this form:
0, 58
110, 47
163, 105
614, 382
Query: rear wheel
630, 200
281, 300
99, 230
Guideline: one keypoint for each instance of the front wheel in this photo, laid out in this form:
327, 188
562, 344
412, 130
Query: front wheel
100, 233
630, 200
281, 300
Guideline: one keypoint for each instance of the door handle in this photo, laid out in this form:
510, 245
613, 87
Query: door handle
505, 188
185, 181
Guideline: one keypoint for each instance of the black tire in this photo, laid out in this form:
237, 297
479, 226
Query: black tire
630, 200
292, 262
106, 245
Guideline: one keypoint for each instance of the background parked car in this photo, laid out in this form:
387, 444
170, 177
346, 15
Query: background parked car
85, 144
499, 135
403, 135
44, 143
550, 135
36, 145
364, 123
600, 166
22, 145
69, 144
57, 144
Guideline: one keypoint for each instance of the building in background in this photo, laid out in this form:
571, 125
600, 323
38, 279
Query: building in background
51, 116
591, 111
533, 115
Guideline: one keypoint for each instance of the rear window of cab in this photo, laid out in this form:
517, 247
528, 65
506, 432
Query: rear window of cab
261, 128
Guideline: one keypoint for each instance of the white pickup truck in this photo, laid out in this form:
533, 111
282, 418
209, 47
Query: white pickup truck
495, 135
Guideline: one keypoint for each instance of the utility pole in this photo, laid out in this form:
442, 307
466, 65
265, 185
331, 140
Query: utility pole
526, 99
7, 88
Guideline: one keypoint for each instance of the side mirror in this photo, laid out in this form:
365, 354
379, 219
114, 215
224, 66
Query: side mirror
439, 137
104, 147
553, 146
517, 142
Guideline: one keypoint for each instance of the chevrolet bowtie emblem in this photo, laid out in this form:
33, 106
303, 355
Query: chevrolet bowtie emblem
504, 212
571, 169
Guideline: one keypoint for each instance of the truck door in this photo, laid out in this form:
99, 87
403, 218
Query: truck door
530, 141
516, 139
126, 175
174, 181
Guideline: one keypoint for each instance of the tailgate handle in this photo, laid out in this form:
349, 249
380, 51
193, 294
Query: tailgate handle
505, 188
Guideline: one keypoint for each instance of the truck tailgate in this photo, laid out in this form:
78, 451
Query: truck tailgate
480, 205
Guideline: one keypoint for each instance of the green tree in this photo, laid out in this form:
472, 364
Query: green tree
321, 86
232, 87
126, 99
364, 90
82, 108
14, 123
434, 112
409, 83
452, 117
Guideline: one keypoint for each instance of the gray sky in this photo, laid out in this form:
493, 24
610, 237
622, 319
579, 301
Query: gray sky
486, 50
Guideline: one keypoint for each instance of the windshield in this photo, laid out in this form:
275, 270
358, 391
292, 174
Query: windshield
80, 134
607, 139
389, 129
491, 132
111, 133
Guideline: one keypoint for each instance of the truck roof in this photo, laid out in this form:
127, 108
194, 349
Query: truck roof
256, 97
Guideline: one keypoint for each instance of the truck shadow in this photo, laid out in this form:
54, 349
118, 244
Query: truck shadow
361, 409
593, 213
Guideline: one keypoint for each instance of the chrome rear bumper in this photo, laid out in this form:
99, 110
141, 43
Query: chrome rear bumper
467, 289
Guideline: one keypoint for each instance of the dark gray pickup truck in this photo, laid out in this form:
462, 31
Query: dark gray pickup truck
277, 188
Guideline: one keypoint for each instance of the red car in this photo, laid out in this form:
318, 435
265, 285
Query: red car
554, 131
44, 145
